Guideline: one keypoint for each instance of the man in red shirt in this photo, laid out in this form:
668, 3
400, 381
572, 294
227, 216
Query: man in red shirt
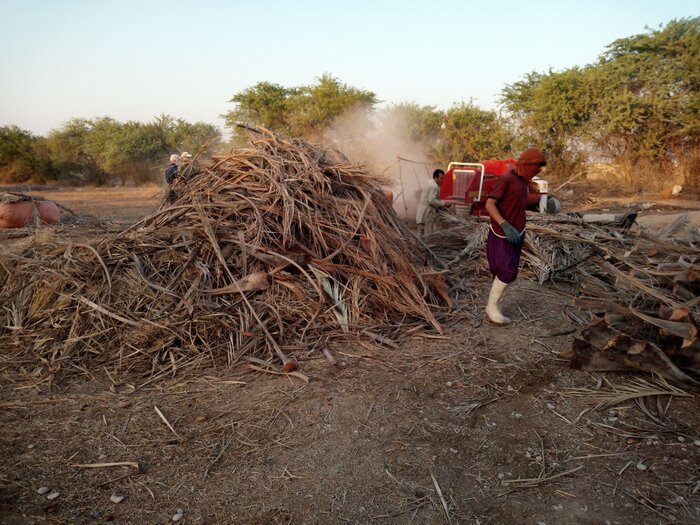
506, 205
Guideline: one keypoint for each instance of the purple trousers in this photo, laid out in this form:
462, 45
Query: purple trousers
503, 257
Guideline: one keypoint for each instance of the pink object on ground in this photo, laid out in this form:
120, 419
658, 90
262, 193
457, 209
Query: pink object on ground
18, 214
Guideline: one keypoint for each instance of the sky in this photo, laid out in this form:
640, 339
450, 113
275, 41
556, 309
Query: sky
135, 60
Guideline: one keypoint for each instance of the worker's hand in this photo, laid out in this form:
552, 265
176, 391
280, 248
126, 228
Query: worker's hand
553, 205
449, 204
512, 235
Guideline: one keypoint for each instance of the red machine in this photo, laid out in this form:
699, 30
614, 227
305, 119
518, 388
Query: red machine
469, 183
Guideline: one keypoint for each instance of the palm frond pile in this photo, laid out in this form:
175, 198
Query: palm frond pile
268, 249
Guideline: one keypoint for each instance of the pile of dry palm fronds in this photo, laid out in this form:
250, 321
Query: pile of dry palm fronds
647, 285
270, 249
8, 197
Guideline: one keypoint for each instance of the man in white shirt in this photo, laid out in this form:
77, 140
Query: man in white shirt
429, 203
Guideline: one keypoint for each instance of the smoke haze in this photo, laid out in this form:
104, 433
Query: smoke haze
376, 141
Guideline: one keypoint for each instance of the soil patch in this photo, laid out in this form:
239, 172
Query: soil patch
368, 440
483, 424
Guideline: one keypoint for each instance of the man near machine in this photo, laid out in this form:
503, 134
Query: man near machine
506, 205
429, 203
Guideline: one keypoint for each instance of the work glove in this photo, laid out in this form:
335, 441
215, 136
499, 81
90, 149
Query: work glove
512, 235
553, 205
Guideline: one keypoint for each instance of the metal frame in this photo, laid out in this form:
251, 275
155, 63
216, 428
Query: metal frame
472, 164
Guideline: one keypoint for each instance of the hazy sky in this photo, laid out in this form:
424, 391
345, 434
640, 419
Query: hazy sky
133, 60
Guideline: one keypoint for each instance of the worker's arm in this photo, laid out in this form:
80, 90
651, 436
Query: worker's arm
511, 234
493, 212
434, 199
437, 203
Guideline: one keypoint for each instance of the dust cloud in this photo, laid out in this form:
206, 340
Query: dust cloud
376, 141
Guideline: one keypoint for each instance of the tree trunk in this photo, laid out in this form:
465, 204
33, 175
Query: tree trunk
691, 171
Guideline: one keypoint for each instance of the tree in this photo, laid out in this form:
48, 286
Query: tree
314, 107
177, 135
464, 133
638, 105
413, 122
552, 111
265, 104
17, 162
303, 111
68, 148
471, 134
94, 150
191, 137
646, 91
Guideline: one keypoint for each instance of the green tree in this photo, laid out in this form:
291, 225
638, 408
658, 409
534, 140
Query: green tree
646, 97
265, 104
471, 134
67, 143
69, 151
552, 111
413, 122
99, 149
638, 105
193, 136
177, 135
304, 111
314, 107
17, 159
463, 133
130, 148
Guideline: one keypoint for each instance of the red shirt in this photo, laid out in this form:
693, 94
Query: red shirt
510, 192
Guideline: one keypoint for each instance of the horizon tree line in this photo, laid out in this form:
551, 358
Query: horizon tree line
637, 107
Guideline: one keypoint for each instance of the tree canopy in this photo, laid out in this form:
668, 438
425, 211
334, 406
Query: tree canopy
17, 160
95, 150
304, 111
463, 133
638, 105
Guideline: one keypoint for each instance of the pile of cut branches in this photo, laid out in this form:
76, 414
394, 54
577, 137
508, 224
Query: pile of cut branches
270, 249
645, 286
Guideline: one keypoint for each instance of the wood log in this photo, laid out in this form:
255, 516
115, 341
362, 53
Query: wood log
249, 283
684, 354
603, 348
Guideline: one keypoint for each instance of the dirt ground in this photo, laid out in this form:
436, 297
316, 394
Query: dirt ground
482, 425
120, 204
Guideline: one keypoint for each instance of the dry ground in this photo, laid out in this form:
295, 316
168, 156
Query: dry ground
481, 425
115, 204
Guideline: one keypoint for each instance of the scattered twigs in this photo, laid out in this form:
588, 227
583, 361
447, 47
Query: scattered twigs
442, 499
533, 482
108, 465
633, 389
294, 373
629, 274
222, 449
167, 423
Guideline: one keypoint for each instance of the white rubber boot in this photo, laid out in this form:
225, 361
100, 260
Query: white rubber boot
493, 307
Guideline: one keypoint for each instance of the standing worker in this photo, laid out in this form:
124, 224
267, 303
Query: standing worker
429, 203
171, 174
187, 167
172, 169
506, 205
